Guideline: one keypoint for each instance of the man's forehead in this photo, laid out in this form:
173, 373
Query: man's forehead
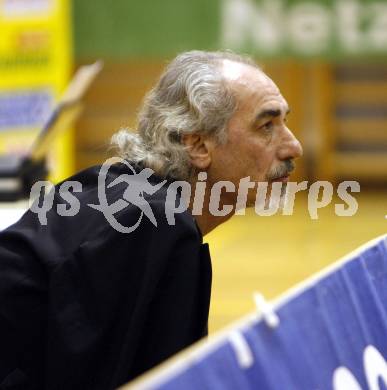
253, 86
232, 70
246, 79
237, 71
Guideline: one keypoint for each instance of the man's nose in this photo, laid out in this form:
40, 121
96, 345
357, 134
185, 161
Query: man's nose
290, 146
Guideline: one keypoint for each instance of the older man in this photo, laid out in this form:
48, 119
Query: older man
84, 305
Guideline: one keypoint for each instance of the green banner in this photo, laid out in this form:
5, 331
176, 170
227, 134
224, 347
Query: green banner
267, 28
128, 28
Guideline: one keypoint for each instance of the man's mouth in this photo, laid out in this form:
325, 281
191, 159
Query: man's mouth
282, 173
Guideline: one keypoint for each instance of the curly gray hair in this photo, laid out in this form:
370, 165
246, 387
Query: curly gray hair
191, 96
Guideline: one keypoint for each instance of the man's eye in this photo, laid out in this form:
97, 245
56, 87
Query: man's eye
267, 126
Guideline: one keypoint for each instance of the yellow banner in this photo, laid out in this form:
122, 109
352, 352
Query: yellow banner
35, 65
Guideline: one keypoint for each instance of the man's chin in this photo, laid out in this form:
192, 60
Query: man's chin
267, 196
275, 197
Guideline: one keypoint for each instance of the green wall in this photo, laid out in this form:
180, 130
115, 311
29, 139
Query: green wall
122, 28
267, 28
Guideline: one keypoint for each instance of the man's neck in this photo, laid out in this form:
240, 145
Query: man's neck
204, 218
207, 223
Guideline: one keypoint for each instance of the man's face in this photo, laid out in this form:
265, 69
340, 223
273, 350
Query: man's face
259, 144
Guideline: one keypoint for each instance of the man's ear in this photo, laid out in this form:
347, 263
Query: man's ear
198, 149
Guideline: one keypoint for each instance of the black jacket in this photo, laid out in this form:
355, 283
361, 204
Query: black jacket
83, 306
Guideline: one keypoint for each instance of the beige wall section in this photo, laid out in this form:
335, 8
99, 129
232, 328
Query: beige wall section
351, 115
111, 104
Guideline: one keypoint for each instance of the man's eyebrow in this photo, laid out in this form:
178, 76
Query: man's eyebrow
270, 113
